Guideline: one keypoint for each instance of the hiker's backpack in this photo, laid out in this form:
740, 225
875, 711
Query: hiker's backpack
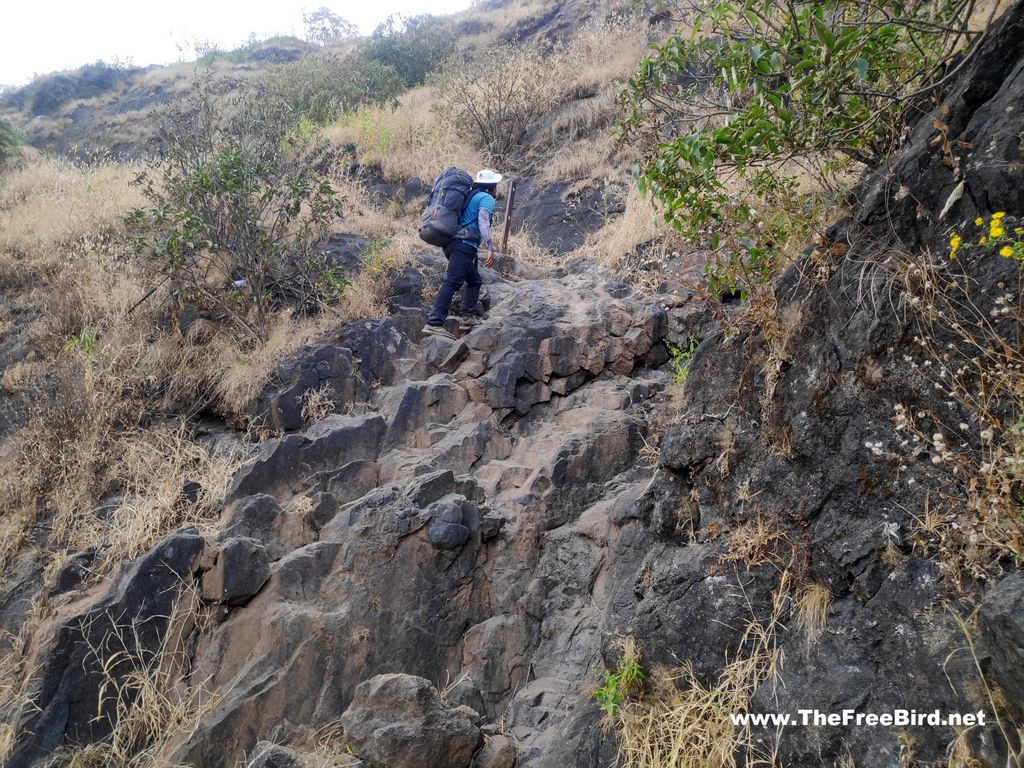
448, 198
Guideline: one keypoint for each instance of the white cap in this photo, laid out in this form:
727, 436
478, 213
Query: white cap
487, 176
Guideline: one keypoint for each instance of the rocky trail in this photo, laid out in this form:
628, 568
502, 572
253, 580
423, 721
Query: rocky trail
467, 515
484, 518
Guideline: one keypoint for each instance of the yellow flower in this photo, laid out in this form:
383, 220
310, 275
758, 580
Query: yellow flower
1006, 251
979, 221
999, 215
995, 228
983, 240
954, 245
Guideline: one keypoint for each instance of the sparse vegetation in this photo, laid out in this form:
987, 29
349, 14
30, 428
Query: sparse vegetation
681, 721
238, 207
626, 682
146, 697
10, 143
811, 610
681, 357
498, 97
974, 521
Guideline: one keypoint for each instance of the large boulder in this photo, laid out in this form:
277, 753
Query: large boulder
400, 720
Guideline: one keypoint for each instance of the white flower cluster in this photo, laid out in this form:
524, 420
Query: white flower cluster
1003, 306
875, 448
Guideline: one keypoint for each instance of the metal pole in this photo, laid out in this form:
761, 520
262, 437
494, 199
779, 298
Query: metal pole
508, 216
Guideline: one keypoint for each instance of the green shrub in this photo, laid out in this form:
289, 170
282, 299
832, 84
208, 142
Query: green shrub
681, 357
323, 86
414, 46
762, 93
10, 143
624, 683
239, 204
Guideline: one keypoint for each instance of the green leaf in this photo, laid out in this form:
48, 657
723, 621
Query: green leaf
825, 35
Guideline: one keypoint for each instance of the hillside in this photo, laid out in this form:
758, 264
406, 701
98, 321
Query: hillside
739, 430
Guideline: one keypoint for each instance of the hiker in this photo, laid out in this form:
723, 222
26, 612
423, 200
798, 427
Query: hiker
474, 230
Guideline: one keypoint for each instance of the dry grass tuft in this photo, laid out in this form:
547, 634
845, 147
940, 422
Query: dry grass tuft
755, 542
683, 723
811, 610
641, 224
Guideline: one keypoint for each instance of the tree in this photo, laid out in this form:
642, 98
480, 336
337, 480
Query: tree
323, 26
415, 46
761, 91
238, 205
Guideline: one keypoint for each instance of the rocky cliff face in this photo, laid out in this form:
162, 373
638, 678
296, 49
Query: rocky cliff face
486, 514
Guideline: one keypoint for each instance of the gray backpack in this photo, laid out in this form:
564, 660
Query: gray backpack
448, 199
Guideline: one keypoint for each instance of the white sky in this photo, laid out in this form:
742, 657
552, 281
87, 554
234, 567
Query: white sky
40, 36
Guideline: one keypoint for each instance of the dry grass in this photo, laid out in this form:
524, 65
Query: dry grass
409, 141
144, 695
973, 518
111, 395
641, 223
605, 52
811, 610
683, 723
16, 677
755, 542
51, 203
317, 404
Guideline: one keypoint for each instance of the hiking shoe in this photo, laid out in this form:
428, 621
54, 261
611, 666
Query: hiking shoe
437, 330
469, 322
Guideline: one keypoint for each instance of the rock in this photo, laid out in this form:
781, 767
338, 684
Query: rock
329, 370
497, 752
260, 517
450, 527
345, 250
560, 222
241, 570
69, 682
691, 445
465, 693
427, 489
268, 755
72, 573
400, 720
1002, 623
285, 464
406, 289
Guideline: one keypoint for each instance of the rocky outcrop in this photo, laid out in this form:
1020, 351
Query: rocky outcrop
454, 524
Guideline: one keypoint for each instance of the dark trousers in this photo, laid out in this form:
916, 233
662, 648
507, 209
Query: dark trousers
462, 268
